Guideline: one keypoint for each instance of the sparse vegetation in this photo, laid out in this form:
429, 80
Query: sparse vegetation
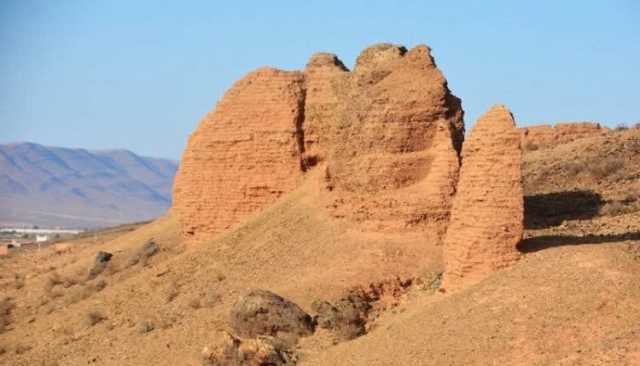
195, 303
145, 327
70, 281
22, 348
572, 169
100, 285
94, 317
211, 298
605, 167
54, 293
430, 281
6, 306
170, 293
621, 127
531, 146
613, 209
52, 281
142, 256
19, 281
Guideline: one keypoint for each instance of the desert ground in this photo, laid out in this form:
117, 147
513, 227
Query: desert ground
356, 240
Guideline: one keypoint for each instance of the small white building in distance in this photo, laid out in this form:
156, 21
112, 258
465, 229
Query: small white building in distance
42, 238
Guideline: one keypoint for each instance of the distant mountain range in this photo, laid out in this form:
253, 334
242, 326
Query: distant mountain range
54, 186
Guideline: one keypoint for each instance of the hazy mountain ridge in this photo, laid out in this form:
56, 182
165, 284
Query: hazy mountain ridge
44, 185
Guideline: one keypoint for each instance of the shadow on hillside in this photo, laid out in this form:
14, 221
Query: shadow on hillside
550, 209
543, 242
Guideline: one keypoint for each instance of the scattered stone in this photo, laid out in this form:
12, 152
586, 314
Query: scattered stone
148, 250
145, 327
430, 281
262, 312
262, 350
347, 318
102, 259
94, 317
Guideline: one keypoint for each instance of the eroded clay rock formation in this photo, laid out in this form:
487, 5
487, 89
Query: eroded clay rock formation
243, 155
544, 135
393, 159
487, 215
388, 134
321, 73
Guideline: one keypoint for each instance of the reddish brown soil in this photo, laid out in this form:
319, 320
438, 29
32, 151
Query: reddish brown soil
571, 300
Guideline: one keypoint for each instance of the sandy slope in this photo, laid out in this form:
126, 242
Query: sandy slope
572, 300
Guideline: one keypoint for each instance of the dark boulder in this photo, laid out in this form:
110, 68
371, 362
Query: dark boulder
262, 312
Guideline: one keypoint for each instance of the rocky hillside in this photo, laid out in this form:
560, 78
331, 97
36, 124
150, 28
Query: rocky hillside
52, 186
341, 220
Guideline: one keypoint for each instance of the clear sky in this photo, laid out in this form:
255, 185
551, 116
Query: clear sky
140, 74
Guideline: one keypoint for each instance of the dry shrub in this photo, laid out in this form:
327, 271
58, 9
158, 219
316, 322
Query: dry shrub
195, 303
70, 281
634, 250
94, 317
613, 209
170, 293
54, 293
572, 169
22, 348
211, 298
636, 125
84, 292
49, 309
53, 280
100, 285
100, 263
97, 268
605, 168
112, 269
621, 127
145, 327
167, 322
79, 294
43, 301
148, 250
531, 146
19, 281
631, 198
6, 306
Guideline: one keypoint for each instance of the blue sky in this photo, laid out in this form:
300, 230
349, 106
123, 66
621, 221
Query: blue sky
140, 74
